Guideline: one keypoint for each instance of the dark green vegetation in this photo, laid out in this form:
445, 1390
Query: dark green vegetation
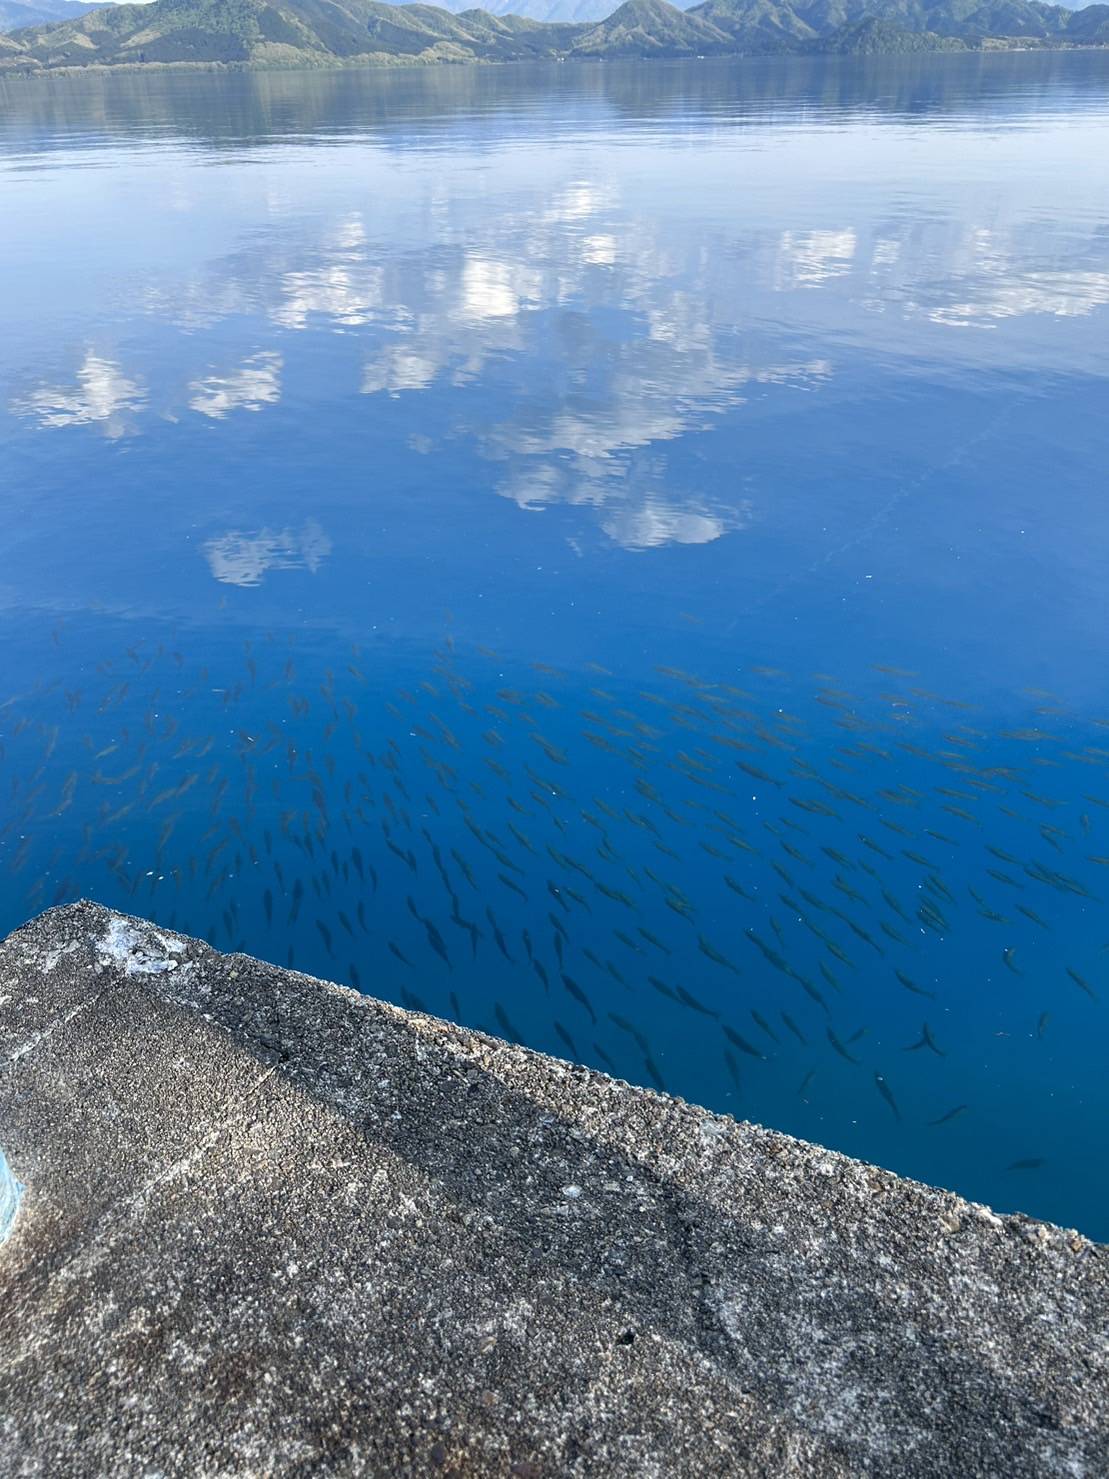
279, 33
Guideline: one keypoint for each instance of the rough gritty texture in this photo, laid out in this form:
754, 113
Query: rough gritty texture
271, 1227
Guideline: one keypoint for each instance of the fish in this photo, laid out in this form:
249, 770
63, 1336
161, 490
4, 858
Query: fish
740, 1042
738, 888
498, 936
1082, 983
809, 989
950, 1115
399, 953
884, 1089
910, 985
894, 905
662, 988
654, 1073
932, 918
1033, 916
653, 940
756, 774
760, 1021
65, 800
556, 894
926, 1041
690, 1000
840, 954
1027, 1163
1004, 878
1008, 955
846, 889
793, 1027
874, 846
769, 953
435, 940
505, 861
680, 906
632, 1031
505, 1023
715, 955
733, 1069
715, 852
579, 995
617, 895
567, 1039
1060, 881
468, 925
839, 1047
605, 1059
862, 933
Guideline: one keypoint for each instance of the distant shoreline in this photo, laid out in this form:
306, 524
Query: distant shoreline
383, 61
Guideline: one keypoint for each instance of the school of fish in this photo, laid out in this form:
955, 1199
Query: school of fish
633, 875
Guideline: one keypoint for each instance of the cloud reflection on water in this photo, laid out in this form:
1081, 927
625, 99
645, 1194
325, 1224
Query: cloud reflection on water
242, 559
256, 383
603, 337
102, 395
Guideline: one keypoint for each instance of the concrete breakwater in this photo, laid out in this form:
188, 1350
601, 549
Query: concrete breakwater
272, 1227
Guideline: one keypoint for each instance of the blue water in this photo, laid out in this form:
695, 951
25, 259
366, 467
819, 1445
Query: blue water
652, 516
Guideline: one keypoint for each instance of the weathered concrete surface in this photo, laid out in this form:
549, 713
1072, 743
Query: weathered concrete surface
273, 1228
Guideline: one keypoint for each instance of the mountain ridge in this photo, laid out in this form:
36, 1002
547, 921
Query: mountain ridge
322, 33
18, 14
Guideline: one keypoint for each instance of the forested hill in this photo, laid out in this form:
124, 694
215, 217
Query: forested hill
288, 33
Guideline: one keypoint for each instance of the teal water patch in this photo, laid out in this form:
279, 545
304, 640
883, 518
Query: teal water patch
10, 1190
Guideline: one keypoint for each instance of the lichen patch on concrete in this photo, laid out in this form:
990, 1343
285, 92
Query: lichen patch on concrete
137, 949
10, 1190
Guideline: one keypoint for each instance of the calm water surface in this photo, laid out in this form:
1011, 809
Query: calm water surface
614, 555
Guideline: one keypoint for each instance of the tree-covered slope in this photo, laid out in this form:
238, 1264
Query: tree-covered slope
653, 27
575, 11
